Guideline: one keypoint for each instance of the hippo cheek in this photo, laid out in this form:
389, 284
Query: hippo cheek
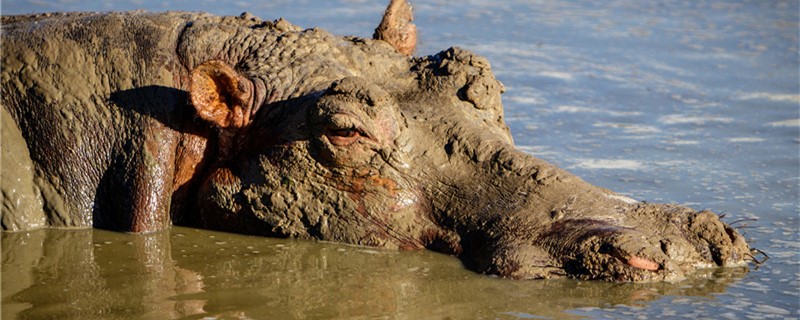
221, 204
382, 212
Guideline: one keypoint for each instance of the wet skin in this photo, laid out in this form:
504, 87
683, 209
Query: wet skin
242, 125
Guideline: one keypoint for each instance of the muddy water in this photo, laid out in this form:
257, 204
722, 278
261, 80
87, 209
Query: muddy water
693, 102
192, 273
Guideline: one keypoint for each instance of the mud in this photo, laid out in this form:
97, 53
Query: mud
261, 127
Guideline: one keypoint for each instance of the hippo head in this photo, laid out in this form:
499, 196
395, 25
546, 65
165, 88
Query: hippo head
348, 140
362, 159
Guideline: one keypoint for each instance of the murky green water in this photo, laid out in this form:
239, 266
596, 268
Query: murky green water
96, 274
693, 102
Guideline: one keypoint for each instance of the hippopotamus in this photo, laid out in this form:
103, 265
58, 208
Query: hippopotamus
136, 121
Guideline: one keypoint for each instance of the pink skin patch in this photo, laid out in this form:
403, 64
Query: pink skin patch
643, 263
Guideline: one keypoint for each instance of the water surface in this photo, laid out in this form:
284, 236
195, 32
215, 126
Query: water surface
691, 102
97, 274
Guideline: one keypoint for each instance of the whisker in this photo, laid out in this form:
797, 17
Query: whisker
757, 252
742, 220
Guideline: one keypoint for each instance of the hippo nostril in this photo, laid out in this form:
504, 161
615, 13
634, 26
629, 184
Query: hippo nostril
606, 248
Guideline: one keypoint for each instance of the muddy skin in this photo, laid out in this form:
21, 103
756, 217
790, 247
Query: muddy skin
134, 121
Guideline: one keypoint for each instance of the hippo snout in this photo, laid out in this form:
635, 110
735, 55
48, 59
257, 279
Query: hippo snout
648, 242
547, 223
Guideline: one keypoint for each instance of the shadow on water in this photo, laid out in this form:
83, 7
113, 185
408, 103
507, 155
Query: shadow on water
188, 273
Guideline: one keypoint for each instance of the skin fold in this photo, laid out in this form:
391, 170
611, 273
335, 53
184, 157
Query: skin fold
135, 121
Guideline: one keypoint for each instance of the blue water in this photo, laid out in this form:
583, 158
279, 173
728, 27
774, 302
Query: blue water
691, 102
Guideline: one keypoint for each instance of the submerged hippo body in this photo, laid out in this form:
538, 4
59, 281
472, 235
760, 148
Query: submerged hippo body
135, 121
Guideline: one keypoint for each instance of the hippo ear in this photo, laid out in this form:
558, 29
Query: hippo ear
220, 94
396, 27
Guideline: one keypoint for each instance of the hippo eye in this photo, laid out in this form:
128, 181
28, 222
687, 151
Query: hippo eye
344, 133
343, 137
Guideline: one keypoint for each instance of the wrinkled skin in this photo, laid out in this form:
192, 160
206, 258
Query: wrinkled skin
133, 121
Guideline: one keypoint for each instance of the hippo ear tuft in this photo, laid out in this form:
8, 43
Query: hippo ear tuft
397, 29
220, 94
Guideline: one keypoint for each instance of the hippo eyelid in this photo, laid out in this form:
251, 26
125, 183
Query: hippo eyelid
343, 137
347, 133
346, 121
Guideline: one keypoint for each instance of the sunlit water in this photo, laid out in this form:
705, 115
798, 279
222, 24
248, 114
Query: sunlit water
692, 102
